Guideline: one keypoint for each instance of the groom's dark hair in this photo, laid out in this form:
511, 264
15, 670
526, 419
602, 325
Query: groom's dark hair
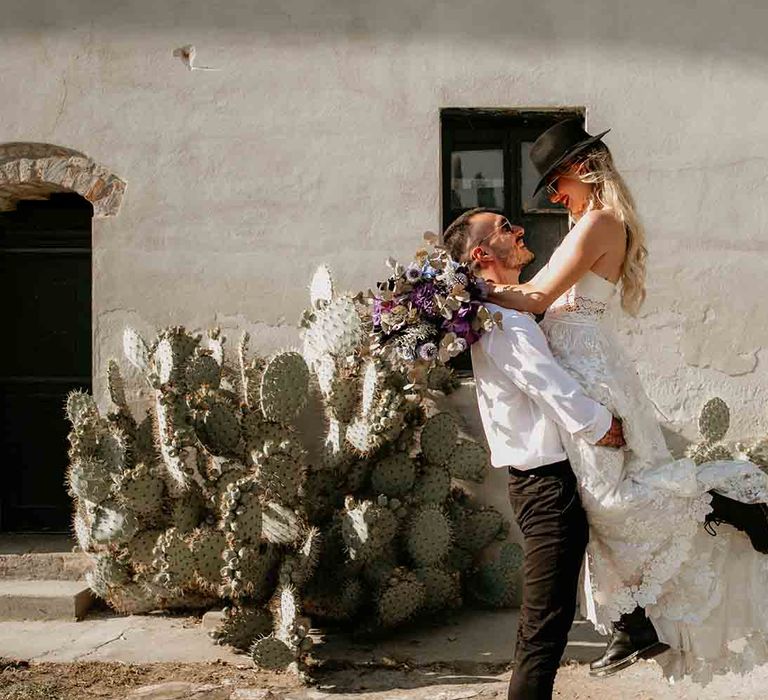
456, 236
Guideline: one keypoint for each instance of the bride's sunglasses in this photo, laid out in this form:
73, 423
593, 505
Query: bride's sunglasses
551, 188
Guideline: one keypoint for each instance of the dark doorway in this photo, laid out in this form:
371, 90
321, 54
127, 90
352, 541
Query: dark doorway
45, 278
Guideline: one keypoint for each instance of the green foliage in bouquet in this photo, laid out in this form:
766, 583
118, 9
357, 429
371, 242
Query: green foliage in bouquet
212, 498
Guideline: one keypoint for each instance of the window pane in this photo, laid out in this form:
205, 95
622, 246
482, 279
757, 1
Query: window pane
477, 179
529, 176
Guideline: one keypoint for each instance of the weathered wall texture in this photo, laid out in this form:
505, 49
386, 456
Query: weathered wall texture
318, 140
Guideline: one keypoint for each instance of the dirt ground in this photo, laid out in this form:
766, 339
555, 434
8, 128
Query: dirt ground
226, 681
51, 681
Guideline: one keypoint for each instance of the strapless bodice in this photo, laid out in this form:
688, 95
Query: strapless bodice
587, 301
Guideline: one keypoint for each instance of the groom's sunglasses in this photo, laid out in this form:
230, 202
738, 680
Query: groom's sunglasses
504, 226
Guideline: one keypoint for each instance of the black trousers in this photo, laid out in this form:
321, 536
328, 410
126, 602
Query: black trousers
555, 533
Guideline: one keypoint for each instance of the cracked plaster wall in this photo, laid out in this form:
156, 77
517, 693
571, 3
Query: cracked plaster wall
318, 141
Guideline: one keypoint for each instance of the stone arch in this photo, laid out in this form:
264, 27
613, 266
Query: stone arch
36, 170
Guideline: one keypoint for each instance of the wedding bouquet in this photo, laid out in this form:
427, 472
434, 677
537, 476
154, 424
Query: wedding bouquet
429, 310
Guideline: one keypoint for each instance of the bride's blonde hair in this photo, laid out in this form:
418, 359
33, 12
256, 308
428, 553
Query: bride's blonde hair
609, 191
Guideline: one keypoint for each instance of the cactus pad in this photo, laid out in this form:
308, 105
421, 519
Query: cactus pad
271, 654
174, 560
400, 598
442, 588
429, 536
207, 545
142, 549
202, 370
336, 330
433, 485
135, 350
113, 524
714, 420
478, 528
80, 406
284, 387
321, 287
394, 475
242, 510
140, 491
241, 625
367, 529
496, 581
469, 461
438, 438
280, 525
249, 571
374, 381
280, 469
90, 481
219, 428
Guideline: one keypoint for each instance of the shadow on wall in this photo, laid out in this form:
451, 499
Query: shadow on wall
728, 29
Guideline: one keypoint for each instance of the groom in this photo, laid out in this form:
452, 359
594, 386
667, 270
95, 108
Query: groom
525, 398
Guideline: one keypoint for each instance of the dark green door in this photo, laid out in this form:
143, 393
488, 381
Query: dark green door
45, 287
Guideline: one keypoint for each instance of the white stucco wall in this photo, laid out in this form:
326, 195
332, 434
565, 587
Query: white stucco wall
318, 141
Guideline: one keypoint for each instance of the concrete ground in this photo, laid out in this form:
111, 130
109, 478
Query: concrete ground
170, 657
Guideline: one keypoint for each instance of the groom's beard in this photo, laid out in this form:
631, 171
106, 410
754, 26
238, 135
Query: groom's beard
517, 259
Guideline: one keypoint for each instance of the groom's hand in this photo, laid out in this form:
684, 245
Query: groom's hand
614, 437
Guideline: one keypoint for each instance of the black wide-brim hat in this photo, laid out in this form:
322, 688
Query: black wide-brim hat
557, 145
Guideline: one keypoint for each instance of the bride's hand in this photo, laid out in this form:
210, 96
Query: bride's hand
615, 435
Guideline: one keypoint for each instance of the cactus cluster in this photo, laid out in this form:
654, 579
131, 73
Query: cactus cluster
714, 422
212, 498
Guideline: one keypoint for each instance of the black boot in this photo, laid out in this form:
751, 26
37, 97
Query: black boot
633, 638
751, 518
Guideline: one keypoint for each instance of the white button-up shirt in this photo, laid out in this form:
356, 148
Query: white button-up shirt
525, 397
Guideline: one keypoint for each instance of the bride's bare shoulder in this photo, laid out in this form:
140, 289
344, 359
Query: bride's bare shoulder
604, 220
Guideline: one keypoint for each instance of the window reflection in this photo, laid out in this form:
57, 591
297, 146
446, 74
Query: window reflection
477, 179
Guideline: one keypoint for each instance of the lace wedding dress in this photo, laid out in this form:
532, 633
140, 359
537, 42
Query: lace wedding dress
706, 596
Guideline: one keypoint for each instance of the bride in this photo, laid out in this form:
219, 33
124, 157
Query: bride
649, 553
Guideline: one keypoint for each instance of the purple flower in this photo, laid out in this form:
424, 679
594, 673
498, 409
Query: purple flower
380, 307
423, 298
461, 323
427, 351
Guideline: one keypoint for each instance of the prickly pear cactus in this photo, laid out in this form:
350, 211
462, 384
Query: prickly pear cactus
201, 500
714, 422
215, 498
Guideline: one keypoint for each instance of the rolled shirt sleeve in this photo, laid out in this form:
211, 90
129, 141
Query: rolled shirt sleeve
520, 350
